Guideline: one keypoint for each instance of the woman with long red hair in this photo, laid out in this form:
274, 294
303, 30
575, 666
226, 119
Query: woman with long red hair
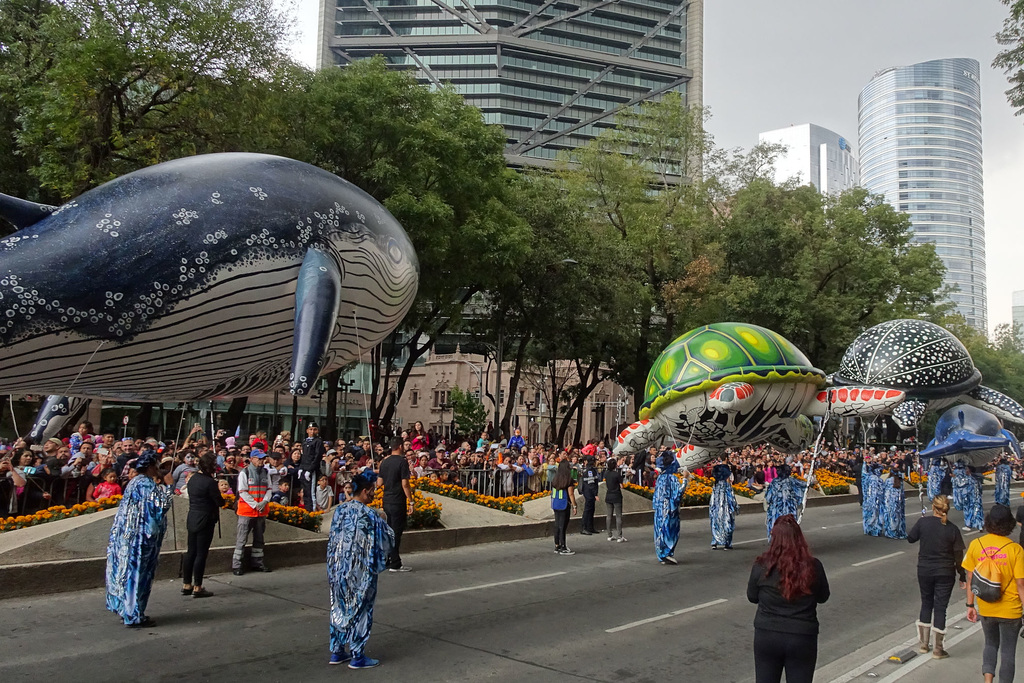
787, 584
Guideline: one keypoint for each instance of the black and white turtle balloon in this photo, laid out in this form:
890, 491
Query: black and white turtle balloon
928, 363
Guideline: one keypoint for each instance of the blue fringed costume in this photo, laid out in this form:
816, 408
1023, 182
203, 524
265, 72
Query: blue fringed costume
894, 508
357, 552
874, 499
134, 547
722, 508
1003, 473
936, 473
668, 494
783, 497
967, 497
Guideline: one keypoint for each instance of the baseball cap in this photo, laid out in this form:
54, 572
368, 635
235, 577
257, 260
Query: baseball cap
257, 453
332, 451
439, 448
56, 441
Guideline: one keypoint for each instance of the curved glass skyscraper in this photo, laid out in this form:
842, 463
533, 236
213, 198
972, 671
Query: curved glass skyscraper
920, 146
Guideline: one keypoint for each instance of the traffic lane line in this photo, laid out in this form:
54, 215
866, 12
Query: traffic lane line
877, 559
492, 585
920, 661
669, 615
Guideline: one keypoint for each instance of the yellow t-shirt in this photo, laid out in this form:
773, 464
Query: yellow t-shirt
1010, 561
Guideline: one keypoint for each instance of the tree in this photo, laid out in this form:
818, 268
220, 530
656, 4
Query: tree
467, 410
1011, 60
121, 84
431, 160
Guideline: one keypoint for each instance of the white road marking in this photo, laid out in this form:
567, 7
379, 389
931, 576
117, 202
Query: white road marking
492, 585
753, 540
651, 620
921, 660
877, 559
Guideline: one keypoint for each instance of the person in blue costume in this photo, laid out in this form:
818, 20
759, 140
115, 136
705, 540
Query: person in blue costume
668, 494
874, 499
894, 508
967, 497
722, 508
357, 551
936, 472
134, 546
1003, 473
783, 497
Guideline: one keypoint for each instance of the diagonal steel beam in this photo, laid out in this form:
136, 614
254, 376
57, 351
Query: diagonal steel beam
407, 50
522, 149
479, 17
383, 22
461, 16
563, 17
529, 17
600, 76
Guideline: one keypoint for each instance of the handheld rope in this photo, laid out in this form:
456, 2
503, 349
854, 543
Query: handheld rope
817, 449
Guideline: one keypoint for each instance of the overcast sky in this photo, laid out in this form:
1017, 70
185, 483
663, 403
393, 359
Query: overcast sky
771, 64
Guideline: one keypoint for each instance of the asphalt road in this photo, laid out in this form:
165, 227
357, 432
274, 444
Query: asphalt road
609, 613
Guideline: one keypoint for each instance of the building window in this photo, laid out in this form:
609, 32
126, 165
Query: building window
501, 397
440, 396
414, 398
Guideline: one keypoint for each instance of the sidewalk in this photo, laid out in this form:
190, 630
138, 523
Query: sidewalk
964, 642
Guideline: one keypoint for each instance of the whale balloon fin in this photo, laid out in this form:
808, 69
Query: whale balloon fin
1000, 405
317, 297
56, 412
908, 414
22, 213
1014, 445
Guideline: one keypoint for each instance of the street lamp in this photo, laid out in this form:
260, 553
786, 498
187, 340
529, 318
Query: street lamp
479, 375
444, 406
529, 420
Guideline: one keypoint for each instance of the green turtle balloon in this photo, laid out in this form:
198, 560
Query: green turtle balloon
729, 384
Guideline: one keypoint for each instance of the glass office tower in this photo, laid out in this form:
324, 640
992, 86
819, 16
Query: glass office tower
553, 73
920, 146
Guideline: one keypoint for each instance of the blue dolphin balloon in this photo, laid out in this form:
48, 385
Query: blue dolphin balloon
211, 276
969, 434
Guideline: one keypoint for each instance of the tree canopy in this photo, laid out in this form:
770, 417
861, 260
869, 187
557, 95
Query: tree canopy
1011, 59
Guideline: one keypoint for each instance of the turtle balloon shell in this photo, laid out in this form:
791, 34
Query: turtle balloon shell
710, 356
917, 356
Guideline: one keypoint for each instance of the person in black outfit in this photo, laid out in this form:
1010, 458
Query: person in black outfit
204, 504
313, 452
589, 481
787, 584
613, 501
393, 478
938, 562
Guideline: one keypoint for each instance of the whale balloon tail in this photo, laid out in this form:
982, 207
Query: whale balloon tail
22, 213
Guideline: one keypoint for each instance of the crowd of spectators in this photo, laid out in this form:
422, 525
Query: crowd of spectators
88, 466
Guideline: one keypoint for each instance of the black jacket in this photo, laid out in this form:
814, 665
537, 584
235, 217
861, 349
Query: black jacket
774, 613
313, 451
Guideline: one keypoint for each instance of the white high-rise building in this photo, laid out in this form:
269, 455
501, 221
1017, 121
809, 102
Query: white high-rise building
815, 156
1018, 311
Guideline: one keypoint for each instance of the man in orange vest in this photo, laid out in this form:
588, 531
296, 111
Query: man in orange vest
253, 506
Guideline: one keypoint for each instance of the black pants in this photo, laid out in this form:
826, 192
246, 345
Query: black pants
561, 525
1001, 639
307, 492
396, 520
588, 513
195, 558
935, 592
775, 651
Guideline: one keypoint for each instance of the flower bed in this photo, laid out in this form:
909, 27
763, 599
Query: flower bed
512, 504
697, 493
286, 514
52, 514
426, 513
831, 483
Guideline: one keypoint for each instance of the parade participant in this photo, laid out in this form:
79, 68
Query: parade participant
1003, 473
995, 559
134, 547
668, 495
357, 551
393, 478
589, 478
562, 499
722, 508
204, 504
787, 584
938, 562
253, 507
784, 496
967, 493
894, 508
874, 498
613, 501
313, 451
936, 472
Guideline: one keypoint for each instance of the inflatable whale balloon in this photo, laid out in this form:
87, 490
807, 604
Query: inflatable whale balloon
211, 276
970, 434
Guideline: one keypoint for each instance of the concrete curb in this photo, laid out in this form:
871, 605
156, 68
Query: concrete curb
41, 578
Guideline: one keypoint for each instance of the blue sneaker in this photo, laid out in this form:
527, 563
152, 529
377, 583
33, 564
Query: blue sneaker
339, 657
363, 662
